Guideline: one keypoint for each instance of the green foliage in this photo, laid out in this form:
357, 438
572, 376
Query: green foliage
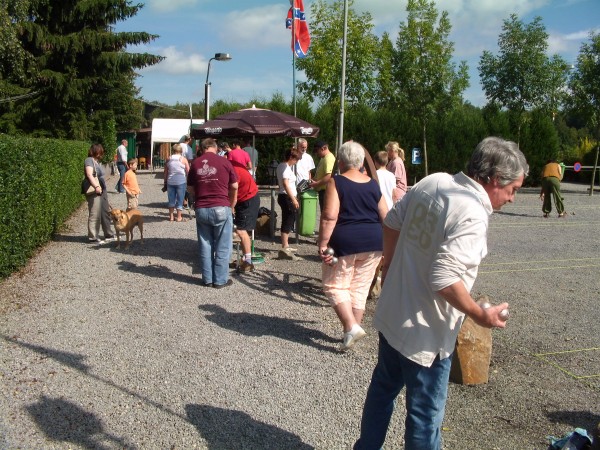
40, 183
585, 84
323, 65
424, 73
522, 77
75, 64
539, 143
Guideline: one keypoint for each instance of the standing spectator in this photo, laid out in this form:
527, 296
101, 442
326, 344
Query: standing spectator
236, 154
224, 149
246, 213
186, 148
324, 170
396, 166
353, 207
253, 154
305, 164
121, 165
286, 179
433, 242
176, 171
98, 207
130, 183
215, 186
387, 180
551, 176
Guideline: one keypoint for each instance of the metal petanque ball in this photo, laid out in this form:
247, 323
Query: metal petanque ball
504, 314
334, 261
329, 251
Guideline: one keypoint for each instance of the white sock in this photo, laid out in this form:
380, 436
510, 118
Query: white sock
248, 257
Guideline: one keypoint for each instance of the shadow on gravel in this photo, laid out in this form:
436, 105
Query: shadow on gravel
63, 421
577, 419
157, 271
258, 325
224, 428
286, 286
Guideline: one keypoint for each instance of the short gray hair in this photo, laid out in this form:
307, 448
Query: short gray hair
497, 158
352, 154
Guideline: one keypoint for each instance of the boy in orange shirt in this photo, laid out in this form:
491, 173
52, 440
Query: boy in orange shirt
130, 183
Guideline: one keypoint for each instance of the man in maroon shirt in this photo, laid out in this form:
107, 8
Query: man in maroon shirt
215, 185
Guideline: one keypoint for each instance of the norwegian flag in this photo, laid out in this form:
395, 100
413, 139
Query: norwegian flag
301, 38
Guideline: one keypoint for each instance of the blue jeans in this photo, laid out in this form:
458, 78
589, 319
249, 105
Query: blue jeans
175, 194
215, 230
122, 169
426, 393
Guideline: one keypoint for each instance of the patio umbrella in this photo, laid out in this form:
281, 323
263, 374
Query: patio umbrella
255, 122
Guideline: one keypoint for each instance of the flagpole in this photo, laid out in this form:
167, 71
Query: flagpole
294, 54
343, 83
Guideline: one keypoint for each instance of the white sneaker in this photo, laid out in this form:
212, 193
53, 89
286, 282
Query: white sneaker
291, 249
110, 239
351, 338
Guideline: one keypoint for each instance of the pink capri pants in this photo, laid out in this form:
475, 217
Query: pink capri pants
350, 279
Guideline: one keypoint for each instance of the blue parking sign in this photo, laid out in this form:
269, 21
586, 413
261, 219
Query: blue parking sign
417, 157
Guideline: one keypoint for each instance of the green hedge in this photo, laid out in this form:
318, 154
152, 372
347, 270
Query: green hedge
40, 187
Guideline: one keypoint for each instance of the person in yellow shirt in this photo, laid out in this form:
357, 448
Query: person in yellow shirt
324, 170
551, 175
130, 183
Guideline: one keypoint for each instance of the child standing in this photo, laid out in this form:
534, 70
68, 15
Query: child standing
130, 183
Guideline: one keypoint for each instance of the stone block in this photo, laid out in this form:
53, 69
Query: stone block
472, 355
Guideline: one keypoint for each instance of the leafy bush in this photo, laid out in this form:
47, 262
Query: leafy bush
40, 183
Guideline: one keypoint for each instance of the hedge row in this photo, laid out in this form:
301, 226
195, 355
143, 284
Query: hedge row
40, 187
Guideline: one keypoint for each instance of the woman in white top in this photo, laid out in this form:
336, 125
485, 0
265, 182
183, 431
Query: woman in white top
176, 170
286, 199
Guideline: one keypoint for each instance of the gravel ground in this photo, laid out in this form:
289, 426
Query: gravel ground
110, 348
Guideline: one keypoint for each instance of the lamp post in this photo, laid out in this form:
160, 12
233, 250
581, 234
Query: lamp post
218, 57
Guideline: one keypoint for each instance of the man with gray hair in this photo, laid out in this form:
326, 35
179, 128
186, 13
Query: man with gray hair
305, 164
433, 242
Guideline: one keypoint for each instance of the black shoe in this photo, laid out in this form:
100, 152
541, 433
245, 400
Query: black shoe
221, 286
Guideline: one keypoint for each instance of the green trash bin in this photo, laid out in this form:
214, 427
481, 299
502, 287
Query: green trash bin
308, 212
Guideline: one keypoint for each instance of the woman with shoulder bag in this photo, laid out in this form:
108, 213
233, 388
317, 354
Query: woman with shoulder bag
98, 208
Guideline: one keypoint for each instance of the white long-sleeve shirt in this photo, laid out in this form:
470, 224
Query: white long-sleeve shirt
443, 223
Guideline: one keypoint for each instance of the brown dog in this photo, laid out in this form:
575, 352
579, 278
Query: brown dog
125, 221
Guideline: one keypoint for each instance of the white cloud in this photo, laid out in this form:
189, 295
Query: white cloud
177, 62
258, 27
169, 5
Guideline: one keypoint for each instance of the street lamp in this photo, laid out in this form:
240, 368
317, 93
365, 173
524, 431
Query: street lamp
218, 57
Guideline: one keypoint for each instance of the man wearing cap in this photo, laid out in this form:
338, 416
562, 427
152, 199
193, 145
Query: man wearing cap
324, 170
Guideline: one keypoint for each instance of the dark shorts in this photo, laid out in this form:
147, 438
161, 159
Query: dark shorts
288, 213
246, 213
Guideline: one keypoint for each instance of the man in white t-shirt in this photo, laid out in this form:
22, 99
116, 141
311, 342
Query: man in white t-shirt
387, 180
306, 163
121, 165
188, 153
434, 239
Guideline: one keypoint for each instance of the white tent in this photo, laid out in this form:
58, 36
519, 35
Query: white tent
170, 131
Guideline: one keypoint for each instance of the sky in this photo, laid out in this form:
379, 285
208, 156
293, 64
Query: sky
253, 32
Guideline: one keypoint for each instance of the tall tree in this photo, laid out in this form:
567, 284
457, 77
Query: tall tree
13, 58
323, 65
426, 78
585, 88
79, 65
518, 78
